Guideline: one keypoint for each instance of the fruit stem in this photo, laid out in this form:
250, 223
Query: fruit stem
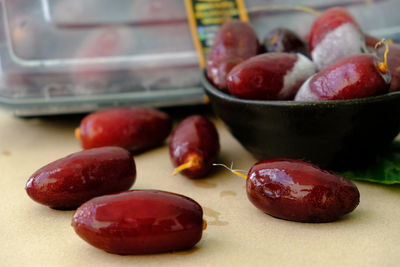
383, 66
236, 172
204, 224
192, 161
77, 133
285, 7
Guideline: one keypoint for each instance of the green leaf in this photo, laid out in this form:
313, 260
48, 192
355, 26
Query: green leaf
386, 169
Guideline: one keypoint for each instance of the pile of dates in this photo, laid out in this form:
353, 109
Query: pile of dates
97, 181
337, 62
111, 216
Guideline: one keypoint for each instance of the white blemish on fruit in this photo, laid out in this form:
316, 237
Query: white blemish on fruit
305, 93
301, 71
346, 40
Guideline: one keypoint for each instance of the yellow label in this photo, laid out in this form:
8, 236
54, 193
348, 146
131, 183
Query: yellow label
205, 18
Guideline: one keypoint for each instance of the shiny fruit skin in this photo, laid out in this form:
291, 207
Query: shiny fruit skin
140, 222
68, 182
334, 35
353, 77
298, 191
263, 77
284, 40
135, 128
235, 41
198, 136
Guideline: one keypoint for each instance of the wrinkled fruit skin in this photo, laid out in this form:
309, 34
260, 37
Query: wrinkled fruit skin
334, 35
393, 63
270, 76
298, 191
353, 77
68, 182
135, 129
284, 40
198, 136
140, 222
235, 41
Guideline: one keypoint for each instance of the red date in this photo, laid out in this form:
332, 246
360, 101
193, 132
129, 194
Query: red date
270, 76
235, 41
140, 222
135, 129
284, 40
194, 146
68, 182
349, 78
335, 35
299, 191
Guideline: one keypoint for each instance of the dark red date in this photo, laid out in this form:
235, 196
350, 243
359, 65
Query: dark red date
270, 76
135, 129
334, 35
140, 222
299, 191
235, 41
284, 40
194, 146
349, 78
68, 182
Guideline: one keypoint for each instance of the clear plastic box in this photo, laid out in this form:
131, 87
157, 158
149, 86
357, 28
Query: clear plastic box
73, 56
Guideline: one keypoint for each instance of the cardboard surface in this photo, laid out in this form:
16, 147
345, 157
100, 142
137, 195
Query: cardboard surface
238, 234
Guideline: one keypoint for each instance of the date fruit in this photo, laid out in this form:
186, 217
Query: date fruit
270, 76
194, 146
353, 77
140, 222
284, 40
235, 41
68, 182
298, 191
335, 35
135, 129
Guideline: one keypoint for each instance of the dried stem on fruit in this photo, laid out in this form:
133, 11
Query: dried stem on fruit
204, 224
77, 133
193, 161
236, 172
383, 66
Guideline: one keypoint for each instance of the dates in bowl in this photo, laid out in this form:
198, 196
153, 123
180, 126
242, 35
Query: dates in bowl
333, 106
334, 134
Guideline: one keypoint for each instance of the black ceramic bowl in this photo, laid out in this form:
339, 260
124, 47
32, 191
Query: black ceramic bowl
333, 134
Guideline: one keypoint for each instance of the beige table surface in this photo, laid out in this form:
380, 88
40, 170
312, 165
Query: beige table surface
237, 235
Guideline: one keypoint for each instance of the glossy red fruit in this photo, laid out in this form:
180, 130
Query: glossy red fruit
349, 78
135, 129
68, 182
270, 76
334, 35
140, 222
194, 144
235, 41
284, 40
299, 191
393, 64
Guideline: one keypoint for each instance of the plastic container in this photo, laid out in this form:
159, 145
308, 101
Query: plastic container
73, 56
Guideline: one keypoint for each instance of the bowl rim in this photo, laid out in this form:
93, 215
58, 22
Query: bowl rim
210, 88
